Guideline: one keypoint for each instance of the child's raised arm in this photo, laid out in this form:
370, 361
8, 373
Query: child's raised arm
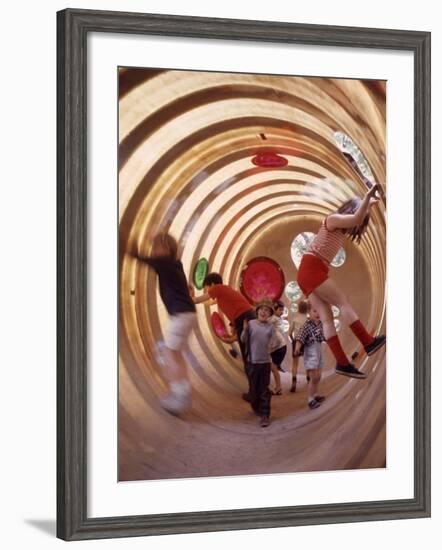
134, 252
145, 259
198, 299
347, 221
201, 299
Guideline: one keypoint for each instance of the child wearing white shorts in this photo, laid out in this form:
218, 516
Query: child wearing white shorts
174, 292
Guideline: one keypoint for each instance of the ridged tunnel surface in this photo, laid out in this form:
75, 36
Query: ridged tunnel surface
187, 140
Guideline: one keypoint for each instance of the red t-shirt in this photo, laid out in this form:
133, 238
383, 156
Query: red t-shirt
231, 302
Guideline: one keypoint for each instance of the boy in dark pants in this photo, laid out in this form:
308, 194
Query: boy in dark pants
232, 303
259, 336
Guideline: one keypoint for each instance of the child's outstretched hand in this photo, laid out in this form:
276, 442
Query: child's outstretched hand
373, 190
373, 194
191, 290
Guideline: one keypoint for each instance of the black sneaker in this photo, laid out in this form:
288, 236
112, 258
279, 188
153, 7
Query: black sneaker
314, 404
265, 421
280, 369
233, 353
320, 398
293, 388
377, 343
349, 370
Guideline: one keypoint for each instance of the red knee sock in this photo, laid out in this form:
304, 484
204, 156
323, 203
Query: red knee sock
336, 348
361, 334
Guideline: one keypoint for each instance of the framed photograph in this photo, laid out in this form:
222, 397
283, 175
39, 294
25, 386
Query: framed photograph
243, 224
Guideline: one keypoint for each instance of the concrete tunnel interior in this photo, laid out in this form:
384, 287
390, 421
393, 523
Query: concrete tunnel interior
186, 144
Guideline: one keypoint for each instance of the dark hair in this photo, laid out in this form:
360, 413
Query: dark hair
349, 207
303, 306
213, 279
278, 303
168, 243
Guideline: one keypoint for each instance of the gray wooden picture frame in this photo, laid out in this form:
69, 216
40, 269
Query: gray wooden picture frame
73, 27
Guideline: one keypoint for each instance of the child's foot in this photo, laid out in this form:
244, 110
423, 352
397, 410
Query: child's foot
293, 388
307, 378
377, 343
265, 421
277, 392
280, 368
176, 404
314, 404
349, 370
320, 398
233, 353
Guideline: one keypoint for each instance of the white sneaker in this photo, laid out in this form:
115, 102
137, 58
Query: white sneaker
176, 404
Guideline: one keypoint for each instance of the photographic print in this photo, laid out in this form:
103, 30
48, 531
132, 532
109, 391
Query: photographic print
252, 274
249, 281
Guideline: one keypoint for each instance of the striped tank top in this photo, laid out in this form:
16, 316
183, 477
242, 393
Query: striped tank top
326, 244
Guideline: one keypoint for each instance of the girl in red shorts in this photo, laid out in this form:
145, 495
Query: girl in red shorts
350, 220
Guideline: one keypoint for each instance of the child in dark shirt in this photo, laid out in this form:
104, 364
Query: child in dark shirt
175, 295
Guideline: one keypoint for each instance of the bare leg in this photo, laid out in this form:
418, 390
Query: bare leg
330, 293
315, 376
326, 316
178, 400
325, 313
295, 365
317, 384
175, 366
277, 377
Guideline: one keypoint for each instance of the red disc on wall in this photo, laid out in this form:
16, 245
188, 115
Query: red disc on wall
269, 159
218, 325
262, 278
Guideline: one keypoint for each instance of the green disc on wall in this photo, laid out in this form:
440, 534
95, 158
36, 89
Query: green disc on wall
200, 272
